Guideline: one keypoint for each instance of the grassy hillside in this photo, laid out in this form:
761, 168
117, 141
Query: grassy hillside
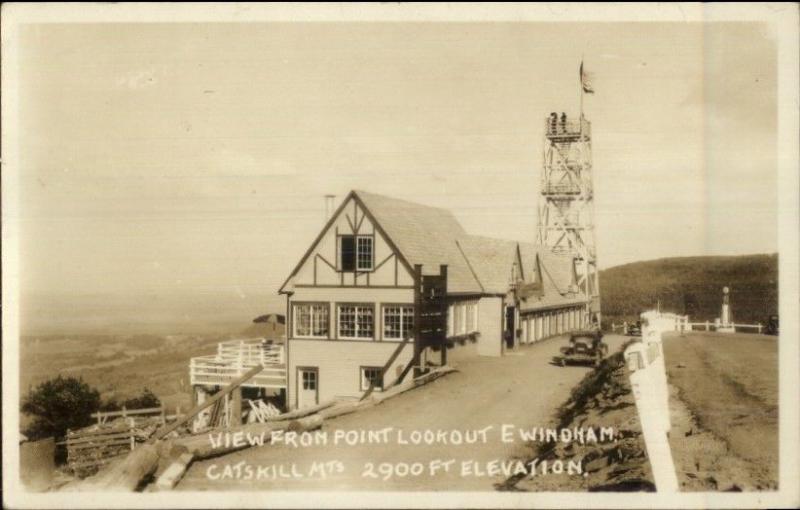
693, 286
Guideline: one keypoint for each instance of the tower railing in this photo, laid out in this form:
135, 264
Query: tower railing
569, 129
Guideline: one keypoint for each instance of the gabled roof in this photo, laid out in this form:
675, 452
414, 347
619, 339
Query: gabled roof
432, 236
558, 278
424, 235
491, 260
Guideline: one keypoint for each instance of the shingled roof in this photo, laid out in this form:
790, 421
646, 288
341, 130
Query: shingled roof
557, 277
424, 235
490, 260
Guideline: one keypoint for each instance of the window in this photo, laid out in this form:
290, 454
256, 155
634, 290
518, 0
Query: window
371, 375
458, 319
355, 253
356, 321
309, 379
364, 254
311, 320
450, 313
472, 317
398, 322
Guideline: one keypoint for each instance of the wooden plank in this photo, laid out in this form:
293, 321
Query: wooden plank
96, 438
236, 407
386, 367
127, 412
103, 444
98, 432
198, 408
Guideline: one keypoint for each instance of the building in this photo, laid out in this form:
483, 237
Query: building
352, 298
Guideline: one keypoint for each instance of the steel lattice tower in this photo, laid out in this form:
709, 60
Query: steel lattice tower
566, 204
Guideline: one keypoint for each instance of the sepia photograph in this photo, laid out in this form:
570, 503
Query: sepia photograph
400, 255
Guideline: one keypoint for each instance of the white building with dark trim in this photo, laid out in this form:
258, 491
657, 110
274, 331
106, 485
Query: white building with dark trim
354, 297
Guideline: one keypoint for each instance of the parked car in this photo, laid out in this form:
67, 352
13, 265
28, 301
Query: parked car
585, 347
634, 329
772, 325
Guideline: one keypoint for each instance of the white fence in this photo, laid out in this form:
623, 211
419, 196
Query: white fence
645, 360
236, 357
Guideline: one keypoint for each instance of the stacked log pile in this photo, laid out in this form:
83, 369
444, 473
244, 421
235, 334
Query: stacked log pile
91, 447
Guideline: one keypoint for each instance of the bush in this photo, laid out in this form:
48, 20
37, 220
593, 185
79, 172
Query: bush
59, 404
145, 400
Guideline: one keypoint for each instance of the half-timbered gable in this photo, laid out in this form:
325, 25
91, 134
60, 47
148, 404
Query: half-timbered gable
351, 251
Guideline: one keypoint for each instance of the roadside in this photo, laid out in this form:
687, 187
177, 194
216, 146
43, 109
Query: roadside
603, 399
724, 407
521, 390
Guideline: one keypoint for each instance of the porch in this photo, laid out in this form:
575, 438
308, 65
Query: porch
234, 358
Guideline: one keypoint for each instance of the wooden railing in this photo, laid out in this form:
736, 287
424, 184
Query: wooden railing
713, 326
562, 189
150, 412
572, 128
234, 358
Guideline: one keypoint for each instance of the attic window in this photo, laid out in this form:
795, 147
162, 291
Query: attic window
355, 253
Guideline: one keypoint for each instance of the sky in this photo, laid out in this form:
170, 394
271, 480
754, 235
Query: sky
175, 159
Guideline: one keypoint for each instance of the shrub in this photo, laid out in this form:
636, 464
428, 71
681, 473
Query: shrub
145, 400
59, 404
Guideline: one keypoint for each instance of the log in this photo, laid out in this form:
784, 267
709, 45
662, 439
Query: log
308, 423
199, 407
342, 409
412, 383
299, 413
126, 475
172, 475
349, 407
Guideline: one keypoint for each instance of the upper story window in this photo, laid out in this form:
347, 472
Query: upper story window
356, 253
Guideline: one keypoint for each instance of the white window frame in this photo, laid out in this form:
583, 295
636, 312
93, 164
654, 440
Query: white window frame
365, 380
359, 307
312, 306
371, 253
460, 322
357, 243
406, 313
471, 320
450, 319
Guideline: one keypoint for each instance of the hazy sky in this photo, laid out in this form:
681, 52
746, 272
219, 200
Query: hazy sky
194, 157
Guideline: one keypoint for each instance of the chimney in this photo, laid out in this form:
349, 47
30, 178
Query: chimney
329, 206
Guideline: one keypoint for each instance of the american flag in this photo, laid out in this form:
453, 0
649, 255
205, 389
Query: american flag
586, 81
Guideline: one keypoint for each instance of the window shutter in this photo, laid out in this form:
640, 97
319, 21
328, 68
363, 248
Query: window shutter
348, 253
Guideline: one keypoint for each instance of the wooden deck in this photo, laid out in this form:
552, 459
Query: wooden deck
234, 358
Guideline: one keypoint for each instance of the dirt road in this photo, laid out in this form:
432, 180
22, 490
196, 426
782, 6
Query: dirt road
726, 420
522, 389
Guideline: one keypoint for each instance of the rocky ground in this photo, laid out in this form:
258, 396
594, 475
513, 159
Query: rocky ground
602, 399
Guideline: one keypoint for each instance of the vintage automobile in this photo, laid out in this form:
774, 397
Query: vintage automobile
634, 329
584, 347
773, 325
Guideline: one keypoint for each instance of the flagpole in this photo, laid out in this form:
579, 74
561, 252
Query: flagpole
580, 85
